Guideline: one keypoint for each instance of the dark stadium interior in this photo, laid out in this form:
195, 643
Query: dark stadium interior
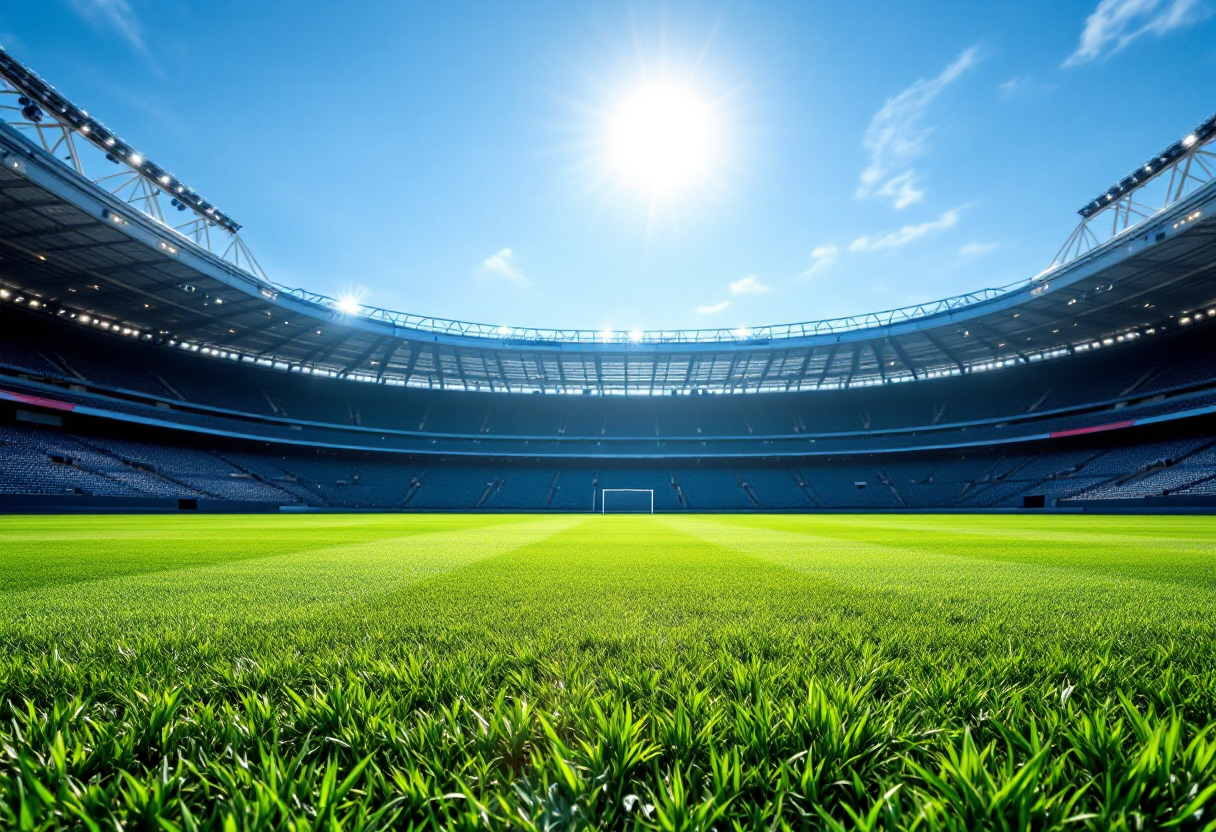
465, 450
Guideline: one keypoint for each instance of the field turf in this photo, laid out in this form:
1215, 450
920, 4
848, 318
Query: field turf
569, 672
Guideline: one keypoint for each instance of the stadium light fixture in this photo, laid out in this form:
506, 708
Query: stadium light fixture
41, 96
606, 335
1203, 133
635, 336
504, 331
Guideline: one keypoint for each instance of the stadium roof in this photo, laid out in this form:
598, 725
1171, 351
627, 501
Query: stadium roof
105, 252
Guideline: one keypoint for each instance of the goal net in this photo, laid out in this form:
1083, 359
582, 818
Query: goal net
627, 500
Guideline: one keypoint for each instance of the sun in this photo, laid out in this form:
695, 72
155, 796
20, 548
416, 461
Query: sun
663, 138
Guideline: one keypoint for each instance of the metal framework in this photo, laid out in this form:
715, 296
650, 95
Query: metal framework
1170, 176
83, 143
750, 335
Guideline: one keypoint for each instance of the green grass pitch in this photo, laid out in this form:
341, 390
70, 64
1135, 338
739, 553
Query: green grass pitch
588, 672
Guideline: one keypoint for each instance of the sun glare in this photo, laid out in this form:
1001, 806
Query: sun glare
663, 138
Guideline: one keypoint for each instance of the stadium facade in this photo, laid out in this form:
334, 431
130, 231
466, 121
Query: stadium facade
147, 361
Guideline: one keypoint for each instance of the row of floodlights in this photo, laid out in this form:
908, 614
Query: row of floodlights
1189, 218
1196, 316
36, 94
116, 328
119, 329
79, 317
1152, 167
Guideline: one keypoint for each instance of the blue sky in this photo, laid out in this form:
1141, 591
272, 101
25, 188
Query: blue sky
450, 159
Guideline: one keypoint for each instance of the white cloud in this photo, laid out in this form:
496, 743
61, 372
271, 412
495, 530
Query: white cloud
821, 258
112, 15
1116, 23
501, 266
895, 136
713, 309
906, 234
750, 285
903, 189
1013, 85
976, 249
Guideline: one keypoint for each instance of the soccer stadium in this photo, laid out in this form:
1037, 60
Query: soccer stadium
280, 559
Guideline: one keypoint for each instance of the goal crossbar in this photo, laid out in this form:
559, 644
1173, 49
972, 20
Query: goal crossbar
604, 492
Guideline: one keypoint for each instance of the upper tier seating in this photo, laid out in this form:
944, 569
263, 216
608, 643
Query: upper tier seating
47, 348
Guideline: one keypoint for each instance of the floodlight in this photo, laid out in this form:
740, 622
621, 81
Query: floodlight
348, 305
635, 336
504, 331
1190, 140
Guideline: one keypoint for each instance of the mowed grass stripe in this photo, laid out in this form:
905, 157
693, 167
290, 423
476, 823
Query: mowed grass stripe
1116, 546
266, 588
603, 579
54, 550
1002, 598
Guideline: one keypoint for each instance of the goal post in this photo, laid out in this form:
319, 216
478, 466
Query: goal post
633, 500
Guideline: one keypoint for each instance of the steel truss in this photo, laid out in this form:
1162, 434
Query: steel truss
749, 335
1160, 183
84, 144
